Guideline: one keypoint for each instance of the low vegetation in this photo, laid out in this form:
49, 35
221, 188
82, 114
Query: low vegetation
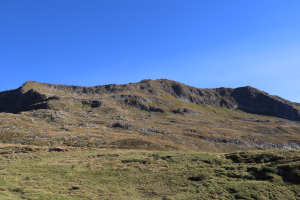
35, 172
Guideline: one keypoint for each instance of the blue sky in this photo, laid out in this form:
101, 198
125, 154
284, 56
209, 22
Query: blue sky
203, 43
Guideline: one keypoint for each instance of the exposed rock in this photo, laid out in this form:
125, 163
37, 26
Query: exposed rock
255, 101
59, 149
186, 110
121, 125
252, 119
93, 104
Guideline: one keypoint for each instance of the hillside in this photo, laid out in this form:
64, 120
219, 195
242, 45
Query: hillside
152, 114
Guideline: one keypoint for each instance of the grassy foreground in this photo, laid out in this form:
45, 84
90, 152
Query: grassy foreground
31, 172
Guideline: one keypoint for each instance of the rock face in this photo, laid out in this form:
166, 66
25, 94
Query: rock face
34, 96
254, 101
16, 101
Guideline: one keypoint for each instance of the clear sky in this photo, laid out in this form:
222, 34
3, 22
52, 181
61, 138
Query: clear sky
203, 43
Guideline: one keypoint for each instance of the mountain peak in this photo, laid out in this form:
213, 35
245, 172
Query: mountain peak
30, 85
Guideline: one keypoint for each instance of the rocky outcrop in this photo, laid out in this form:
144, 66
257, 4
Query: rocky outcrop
16, 101
255, 101
92, 104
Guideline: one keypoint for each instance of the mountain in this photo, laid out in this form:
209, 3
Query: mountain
151, 114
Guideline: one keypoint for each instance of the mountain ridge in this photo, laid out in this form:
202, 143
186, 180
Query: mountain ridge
151, 114
247, 98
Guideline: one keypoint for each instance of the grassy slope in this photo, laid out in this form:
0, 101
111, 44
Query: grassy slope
81, 126
69, 121
30, 172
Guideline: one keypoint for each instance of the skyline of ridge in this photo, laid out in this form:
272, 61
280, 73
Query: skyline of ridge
161, 79
199, 43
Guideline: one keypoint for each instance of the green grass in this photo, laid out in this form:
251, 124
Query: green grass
33, 173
